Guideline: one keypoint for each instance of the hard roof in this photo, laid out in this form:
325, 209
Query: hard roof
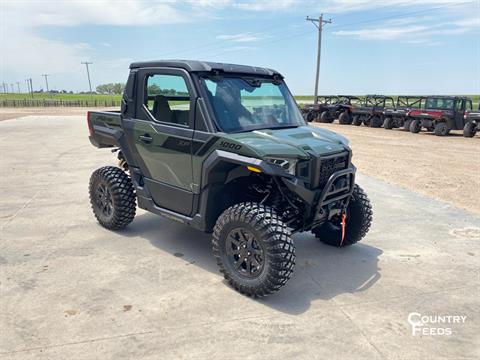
447, 97
200, 66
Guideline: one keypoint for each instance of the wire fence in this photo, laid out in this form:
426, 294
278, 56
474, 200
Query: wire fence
60, 103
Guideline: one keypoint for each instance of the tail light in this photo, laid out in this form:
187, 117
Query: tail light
89, 124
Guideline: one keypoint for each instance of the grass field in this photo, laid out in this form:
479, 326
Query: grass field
43, 96
84, 97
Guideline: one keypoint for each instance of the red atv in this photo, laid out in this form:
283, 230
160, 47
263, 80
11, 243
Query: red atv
440, 115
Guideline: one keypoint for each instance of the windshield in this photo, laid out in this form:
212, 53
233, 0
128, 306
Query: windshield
439, 103
245, 104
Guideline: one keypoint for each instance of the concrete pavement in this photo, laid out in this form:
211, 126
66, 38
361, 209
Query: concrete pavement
73, 290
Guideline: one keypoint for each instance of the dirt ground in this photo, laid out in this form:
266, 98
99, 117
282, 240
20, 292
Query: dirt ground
445, 168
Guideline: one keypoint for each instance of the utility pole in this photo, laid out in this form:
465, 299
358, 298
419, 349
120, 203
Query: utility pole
46, 80
86, 63
30, 85
319, 23
18, 87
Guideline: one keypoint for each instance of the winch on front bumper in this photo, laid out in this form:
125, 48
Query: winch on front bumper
325, 184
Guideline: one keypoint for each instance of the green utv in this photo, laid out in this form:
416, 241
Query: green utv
224, 148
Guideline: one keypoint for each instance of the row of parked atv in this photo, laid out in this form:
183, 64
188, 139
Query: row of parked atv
438, 114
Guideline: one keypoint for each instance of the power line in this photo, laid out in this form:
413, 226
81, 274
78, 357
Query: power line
400, 15
319, 24
86, 63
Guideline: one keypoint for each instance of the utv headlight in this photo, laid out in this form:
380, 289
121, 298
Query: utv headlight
286, 164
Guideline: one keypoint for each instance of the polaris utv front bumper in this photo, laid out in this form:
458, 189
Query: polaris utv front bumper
325, 188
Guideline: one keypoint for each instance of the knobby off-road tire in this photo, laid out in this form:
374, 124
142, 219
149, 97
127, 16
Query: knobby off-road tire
441, 129
112, 197
344, 118
359, 219
254, 232
357, 120
325, 117
310, 116
406, 125
469, 130
376, 122
388, 123
415, 126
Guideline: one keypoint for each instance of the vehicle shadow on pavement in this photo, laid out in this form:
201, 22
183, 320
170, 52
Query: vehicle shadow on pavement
321, 273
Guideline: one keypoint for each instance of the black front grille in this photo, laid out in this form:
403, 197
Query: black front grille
330, 165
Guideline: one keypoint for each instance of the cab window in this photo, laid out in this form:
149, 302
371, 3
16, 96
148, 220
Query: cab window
458, 105
167, 98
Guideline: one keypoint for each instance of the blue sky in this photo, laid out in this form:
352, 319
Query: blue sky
376, 46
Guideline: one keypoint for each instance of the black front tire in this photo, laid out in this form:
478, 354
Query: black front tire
469, 130
359, 219
357, 120
325, 117
388, 123
310, 116
344, 118
415, 126
271, 237
406, 125
112, 197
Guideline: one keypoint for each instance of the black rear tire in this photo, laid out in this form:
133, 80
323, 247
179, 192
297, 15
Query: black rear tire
359, 219
388, 123
345, 118
112, 197
406, 125
376, 122
441, 129
469, 130
266, 262
357, 120
415, 126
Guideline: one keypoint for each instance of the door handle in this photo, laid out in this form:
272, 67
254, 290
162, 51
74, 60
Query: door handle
147, 139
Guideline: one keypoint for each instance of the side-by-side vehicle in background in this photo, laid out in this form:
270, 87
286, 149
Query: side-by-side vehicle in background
397, 117
370, 113
441, 114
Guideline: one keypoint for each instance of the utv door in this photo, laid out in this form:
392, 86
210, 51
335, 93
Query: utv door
458, 114
161, 134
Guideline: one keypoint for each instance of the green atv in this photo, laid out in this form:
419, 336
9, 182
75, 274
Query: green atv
224, 148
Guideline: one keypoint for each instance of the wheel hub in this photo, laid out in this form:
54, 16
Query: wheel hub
244, 253
104, 200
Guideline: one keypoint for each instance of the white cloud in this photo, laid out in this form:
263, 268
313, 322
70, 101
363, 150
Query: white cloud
389, 33
245, 37
340, 6
267, 5
26, 53
99, 12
